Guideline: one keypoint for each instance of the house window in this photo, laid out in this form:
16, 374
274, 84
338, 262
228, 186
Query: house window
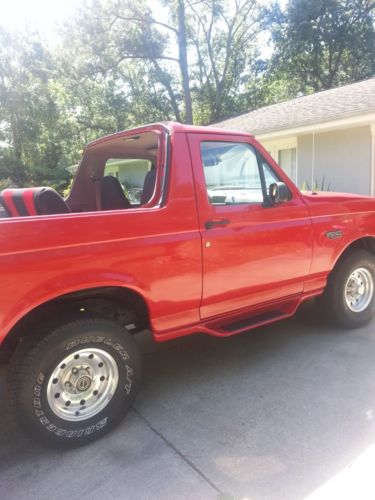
284, 152
131, 173
287, 161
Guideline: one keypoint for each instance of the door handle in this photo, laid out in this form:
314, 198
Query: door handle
216, 223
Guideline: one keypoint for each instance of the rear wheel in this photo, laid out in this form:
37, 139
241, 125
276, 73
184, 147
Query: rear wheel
349, 296
76, 383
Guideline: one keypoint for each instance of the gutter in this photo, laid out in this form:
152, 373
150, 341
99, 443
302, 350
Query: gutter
355, 121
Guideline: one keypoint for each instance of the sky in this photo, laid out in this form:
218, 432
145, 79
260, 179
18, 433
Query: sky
44, 15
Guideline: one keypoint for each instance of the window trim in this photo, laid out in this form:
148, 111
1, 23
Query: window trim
266, 201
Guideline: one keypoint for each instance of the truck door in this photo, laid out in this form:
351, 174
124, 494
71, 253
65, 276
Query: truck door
252, 254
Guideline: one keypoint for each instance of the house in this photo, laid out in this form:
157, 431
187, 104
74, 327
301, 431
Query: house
324, 140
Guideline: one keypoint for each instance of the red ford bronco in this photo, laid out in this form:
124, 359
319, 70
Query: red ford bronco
172, 229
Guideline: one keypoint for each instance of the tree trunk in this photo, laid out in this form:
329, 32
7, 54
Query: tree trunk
182, 46
164, 80
18, 174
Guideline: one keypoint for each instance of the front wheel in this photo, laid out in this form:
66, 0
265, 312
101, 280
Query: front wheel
349, 298
76, 383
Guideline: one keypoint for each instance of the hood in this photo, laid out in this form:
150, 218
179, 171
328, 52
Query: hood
328, 203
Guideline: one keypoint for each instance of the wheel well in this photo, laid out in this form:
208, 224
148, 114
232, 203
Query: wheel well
367, 243
122, 305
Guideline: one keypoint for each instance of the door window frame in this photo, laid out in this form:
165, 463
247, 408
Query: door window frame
208, 210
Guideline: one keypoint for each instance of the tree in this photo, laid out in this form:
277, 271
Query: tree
32, 148
215, 42
121, 63
325, 43
225, 37
183, 62
122, 36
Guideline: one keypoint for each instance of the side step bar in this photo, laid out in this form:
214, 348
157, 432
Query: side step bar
252, 322
239, 322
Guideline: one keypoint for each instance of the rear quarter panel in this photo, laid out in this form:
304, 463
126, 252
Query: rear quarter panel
153, 251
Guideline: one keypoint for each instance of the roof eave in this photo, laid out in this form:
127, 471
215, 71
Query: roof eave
340, 123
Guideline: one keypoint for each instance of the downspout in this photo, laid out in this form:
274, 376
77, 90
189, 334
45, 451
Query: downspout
372, 169
313, 161
297, 163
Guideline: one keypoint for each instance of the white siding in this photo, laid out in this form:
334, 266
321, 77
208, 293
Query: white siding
342, 157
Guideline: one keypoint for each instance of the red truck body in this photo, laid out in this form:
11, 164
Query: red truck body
254, 269
173, 229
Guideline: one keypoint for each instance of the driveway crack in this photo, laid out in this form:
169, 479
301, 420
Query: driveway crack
178, 452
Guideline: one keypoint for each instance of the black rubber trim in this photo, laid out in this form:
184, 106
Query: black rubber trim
165, 185
266, 201
249, 322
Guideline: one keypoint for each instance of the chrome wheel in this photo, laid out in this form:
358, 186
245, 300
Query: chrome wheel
82, 384
359, 290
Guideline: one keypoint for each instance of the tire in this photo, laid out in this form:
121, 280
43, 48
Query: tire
349, 298
76, 383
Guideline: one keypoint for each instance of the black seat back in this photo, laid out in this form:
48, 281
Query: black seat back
148, 186
33, 201
112, 194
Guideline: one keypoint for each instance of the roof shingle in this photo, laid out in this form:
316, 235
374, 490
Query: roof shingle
341, 102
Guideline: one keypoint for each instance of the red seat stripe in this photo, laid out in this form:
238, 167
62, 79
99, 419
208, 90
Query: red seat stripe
28, 199
8, 198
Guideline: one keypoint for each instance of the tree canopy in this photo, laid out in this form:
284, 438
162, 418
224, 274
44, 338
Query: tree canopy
325, 43
120, 63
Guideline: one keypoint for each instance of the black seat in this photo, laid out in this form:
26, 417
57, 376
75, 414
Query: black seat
33, 201
112, 195
148, 186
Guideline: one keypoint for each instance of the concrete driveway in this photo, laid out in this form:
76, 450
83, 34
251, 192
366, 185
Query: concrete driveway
283, 412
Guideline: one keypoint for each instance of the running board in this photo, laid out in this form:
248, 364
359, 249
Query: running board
239, 321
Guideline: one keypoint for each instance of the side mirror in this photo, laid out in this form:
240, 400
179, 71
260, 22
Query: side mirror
278, 192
